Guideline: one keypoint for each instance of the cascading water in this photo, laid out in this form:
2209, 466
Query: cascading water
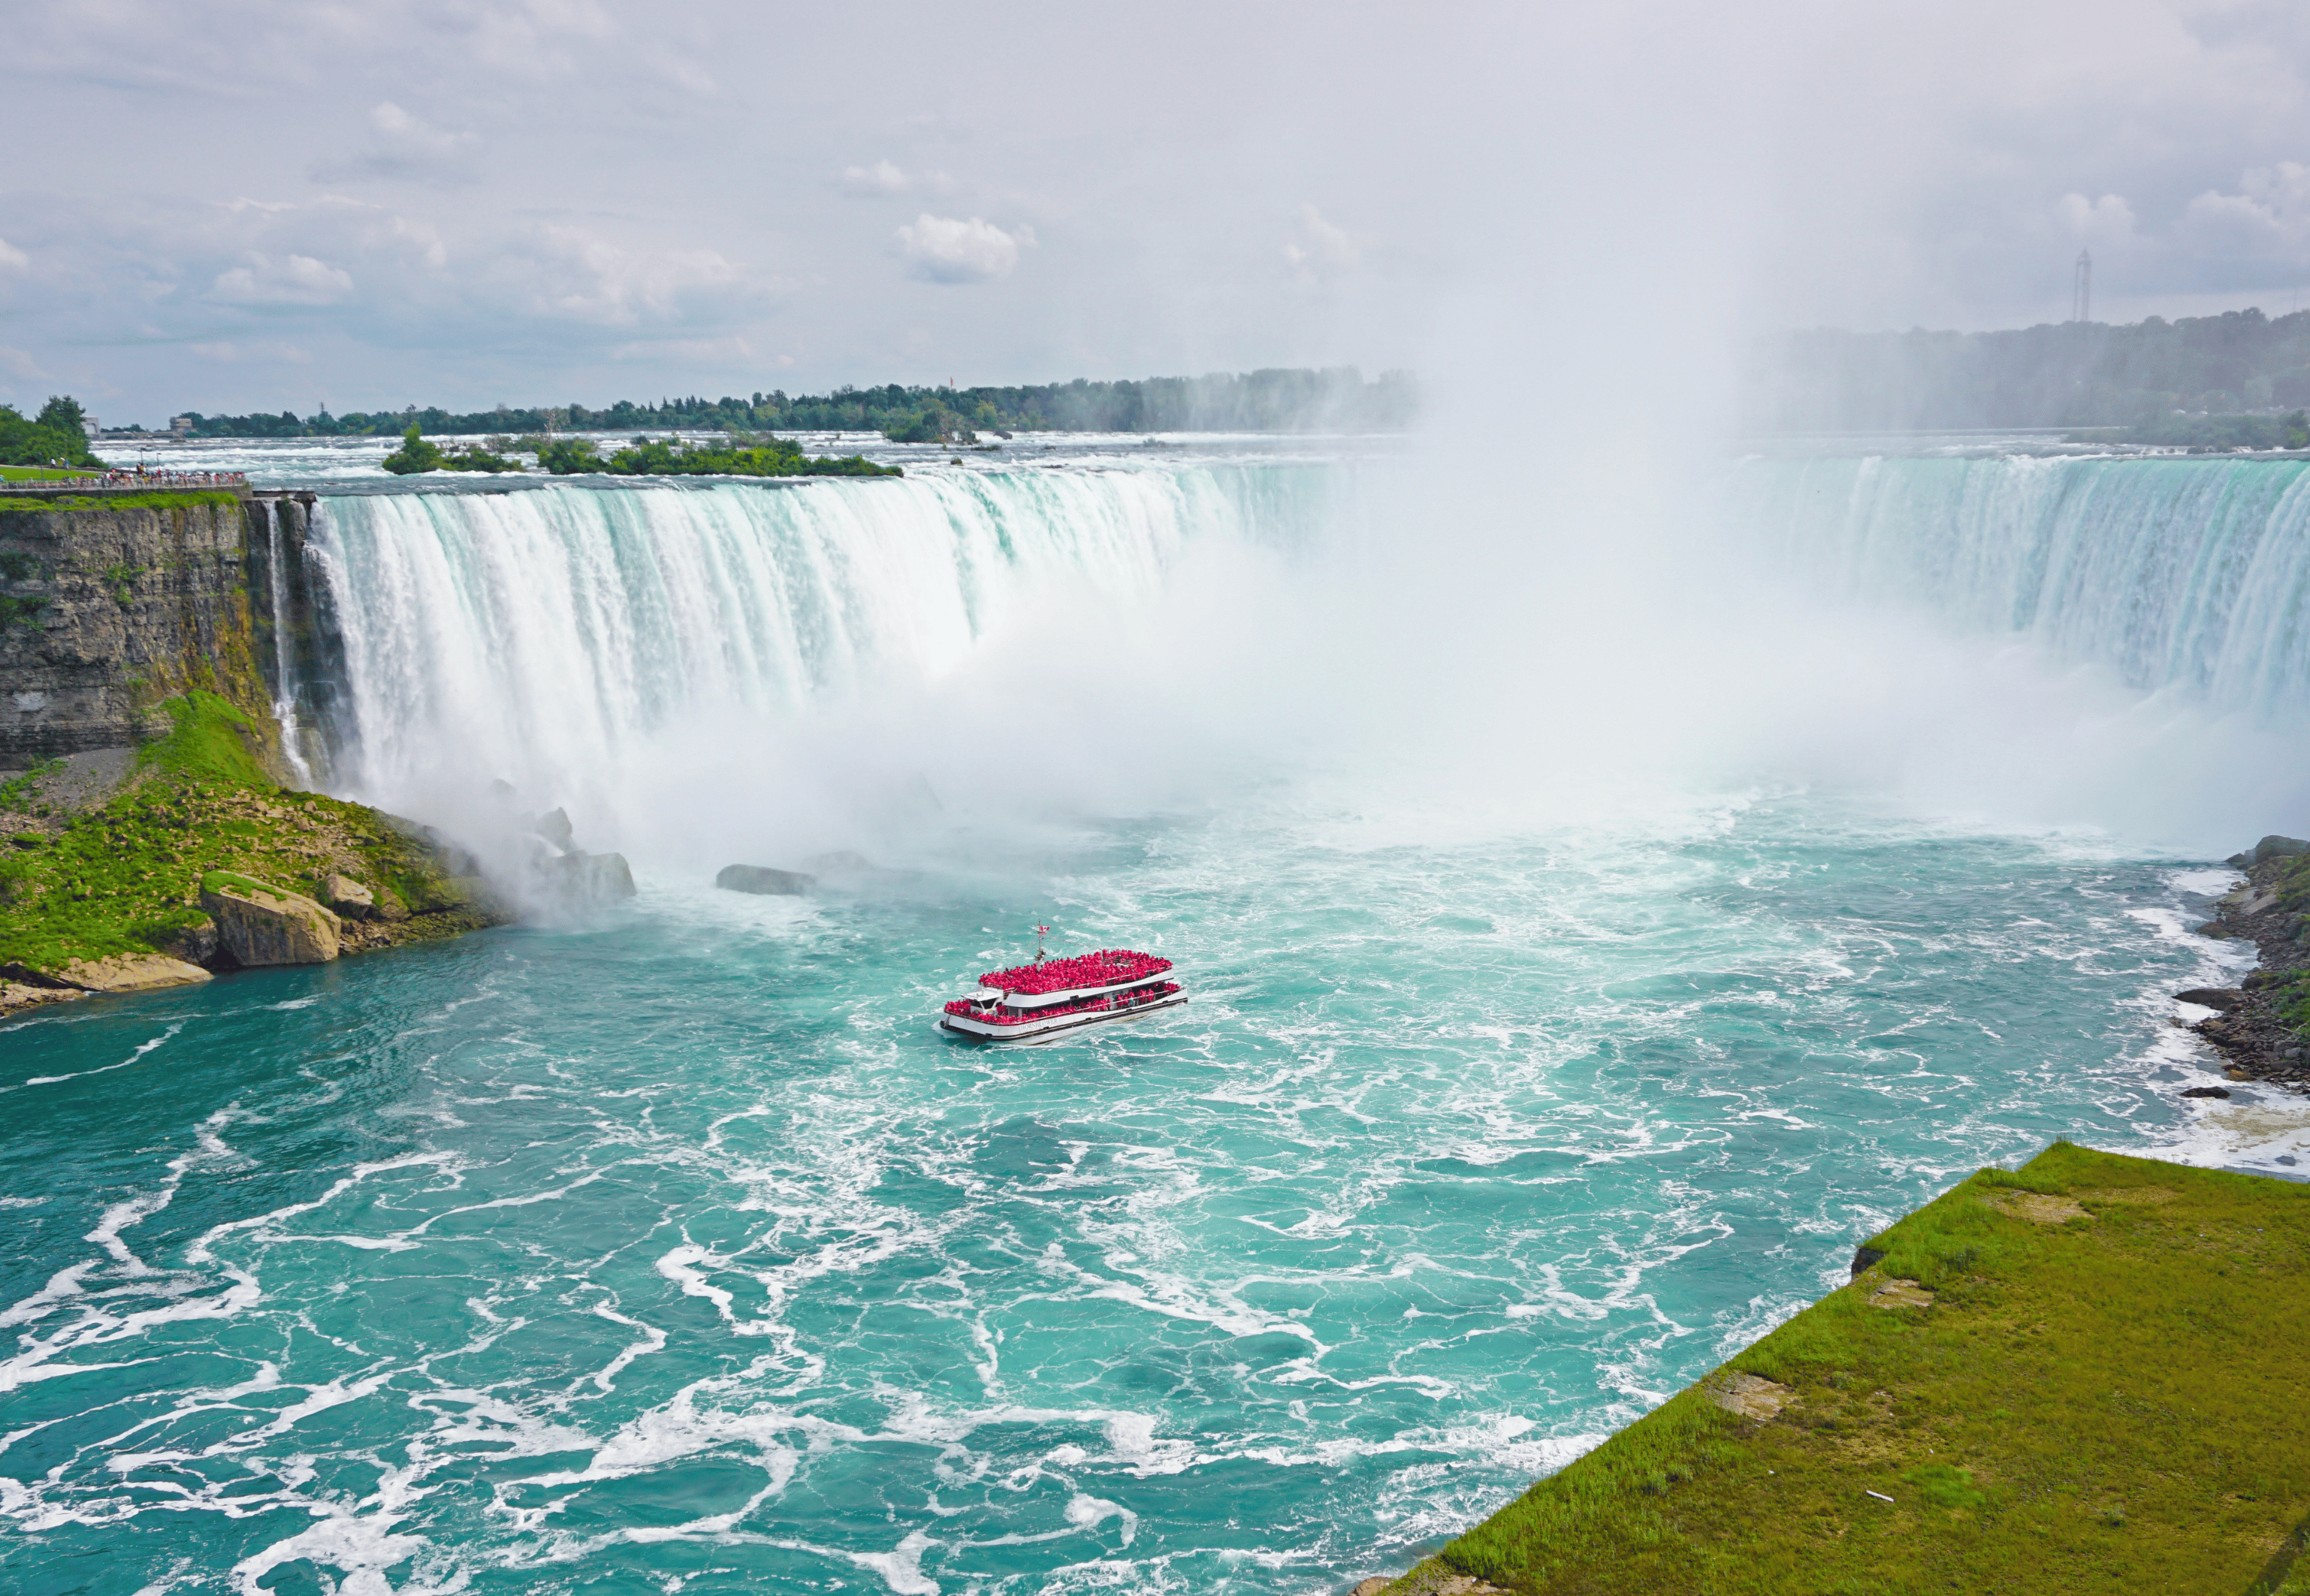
286, 708
2174, 573
674, 1252
545, 635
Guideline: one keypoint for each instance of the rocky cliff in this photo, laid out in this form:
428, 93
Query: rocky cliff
108, 609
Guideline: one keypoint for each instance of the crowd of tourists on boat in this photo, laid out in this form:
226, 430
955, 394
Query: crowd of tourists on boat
1109, 967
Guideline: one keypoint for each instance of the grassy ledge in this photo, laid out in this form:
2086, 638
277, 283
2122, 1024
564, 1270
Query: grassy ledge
125, 877
159, 499
2096, 1384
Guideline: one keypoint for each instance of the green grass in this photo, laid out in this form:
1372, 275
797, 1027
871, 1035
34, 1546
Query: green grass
123, 878
42, 473
20, 791
24, 503
2109, 1403
210, 742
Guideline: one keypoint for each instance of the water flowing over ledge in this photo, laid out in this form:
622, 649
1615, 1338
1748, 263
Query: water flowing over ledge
543, 632
2174, 573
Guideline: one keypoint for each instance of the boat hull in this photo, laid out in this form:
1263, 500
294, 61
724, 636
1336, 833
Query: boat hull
1034, 1033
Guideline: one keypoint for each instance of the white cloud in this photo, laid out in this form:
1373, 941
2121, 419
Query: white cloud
16, 363
877, 181
2268, 216
946, 249
11, 259
227, 353
407, 147
291, 280
568, 274
883, 180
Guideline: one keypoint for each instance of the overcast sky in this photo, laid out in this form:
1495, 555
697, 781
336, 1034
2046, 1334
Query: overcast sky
240, 205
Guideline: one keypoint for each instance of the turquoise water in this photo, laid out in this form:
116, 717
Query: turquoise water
674, 1254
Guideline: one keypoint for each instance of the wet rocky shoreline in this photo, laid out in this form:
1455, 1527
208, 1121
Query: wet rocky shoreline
2254, 1026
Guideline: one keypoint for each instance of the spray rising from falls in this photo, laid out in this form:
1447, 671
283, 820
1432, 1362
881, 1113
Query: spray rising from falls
546, 635
2189, 574
645, 650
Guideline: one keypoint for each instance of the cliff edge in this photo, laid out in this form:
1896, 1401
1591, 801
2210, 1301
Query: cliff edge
123, 871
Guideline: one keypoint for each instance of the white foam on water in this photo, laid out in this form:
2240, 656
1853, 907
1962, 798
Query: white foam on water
361, 1549
137, 1056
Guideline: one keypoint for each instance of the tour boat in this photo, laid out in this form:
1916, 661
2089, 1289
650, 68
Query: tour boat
1042, 1001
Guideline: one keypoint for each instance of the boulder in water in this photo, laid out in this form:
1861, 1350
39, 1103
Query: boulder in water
763, 878
2224, 998
259, 925
592, 879
554, 827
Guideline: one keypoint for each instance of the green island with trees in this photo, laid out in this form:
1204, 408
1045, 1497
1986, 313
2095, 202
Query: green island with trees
741, 455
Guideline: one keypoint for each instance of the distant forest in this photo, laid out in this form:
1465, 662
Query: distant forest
1337, 399
2072, 374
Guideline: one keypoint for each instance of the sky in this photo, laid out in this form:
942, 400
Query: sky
247, 205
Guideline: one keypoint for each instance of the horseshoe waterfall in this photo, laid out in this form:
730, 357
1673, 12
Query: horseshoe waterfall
1574, 981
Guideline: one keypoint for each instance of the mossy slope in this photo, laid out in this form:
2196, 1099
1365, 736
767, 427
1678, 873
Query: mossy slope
2108, 1399
125, 877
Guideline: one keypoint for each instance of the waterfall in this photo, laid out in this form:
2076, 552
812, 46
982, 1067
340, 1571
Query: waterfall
284, 654
545, 632
2189, 574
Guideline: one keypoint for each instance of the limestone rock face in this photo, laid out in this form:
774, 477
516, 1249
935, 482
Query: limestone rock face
761, 877
349, 899
119, 599
133, 972
194, 944
259, 925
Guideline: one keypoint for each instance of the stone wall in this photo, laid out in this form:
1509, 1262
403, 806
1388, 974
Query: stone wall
106, 612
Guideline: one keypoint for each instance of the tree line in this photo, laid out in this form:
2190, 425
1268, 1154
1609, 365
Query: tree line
2070, 374
53, 438
1334, 399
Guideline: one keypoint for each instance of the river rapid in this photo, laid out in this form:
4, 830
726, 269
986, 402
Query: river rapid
667, 1250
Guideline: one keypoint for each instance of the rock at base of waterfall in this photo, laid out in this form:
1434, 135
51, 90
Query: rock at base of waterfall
349, 899
133, 972
763, 878
593, 878
554, 827
259, 925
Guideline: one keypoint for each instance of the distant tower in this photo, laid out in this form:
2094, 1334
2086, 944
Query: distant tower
2081, 288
